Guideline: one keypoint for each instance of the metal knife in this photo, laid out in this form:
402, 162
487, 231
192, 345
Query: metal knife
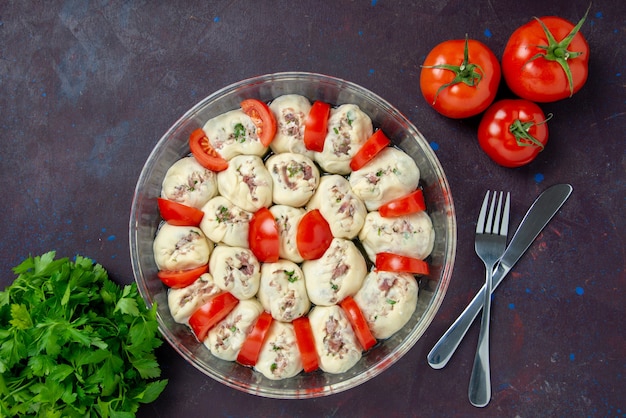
537, 217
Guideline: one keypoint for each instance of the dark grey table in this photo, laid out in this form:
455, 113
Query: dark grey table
87, 89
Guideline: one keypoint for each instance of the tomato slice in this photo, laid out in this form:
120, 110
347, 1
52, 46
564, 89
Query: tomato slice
178, 214
316, 125
249, 352
263, 236
181, 278
204, 153
375, 144
401, 263
212, 312
313, 236
358, 322
405, 205
263, 119
306, 343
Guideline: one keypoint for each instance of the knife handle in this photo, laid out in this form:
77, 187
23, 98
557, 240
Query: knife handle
537, 217
448, 343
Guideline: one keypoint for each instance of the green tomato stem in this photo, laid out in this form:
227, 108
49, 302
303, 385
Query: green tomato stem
520, 130
558, 52
465, 73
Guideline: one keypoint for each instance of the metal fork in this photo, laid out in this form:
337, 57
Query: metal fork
491, 232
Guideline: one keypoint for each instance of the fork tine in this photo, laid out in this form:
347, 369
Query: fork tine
480, 225
504, 228
496, 222
490, 224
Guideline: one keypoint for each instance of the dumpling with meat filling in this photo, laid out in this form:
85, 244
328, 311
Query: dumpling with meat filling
235, 270
287, 219
342, 209
335, 275
225, 222
183, 302
279, 357
189, 183
283, 291
348, 129
226, 337
387, 300
295, 178
246, 182
290, 111
233, 133
180, 247
391, 174
335, 341
409, 235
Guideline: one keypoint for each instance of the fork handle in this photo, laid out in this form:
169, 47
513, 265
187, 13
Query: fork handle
443, 350
537, 217
480, 381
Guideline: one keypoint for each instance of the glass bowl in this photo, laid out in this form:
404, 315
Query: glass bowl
145, 219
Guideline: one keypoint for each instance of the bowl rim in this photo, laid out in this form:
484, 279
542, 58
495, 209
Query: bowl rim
433, 306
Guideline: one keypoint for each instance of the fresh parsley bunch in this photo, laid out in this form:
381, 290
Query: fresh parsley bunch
75, 344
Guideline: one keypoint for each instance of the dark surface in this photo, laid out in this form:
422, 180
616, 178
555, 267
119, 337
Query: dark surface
88, 88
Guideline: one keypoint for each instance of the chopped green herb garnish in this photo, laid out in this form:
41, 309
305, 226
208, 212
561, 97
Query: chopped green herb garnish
349, 118
294, 169
291, 276
391, 301
192, 186
222, 214
240, 133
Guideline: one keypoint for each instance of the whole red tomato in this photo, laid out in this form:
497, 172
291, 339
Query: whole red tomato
460, 78
513, 131
546, 59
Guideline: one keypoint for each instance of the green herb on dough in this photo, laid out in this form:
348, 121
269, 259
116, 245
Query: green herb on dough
240, 133
75, 344
291, 276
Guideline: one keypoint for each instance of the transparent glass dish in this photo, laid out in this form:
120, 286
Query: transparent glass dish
145, 219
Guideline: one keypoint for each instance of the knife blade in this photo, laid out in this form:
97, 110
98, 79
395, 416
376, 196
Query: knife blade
539, 214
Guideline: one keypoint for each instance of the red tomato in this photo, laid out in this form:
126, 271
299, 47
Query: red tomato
405, 205
204, 153
460, 78
212, 312
249, 352
513, 132
315, 126
546, 59
263, 236
178, 214
358, 322
313, 236
375, 144
181, 278
263, 119
306, 343
401, 264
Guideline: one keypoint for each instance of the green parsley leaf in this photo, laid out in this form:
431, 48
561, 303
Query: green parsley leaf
239, 133
74, 343
21, 317
291, 276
